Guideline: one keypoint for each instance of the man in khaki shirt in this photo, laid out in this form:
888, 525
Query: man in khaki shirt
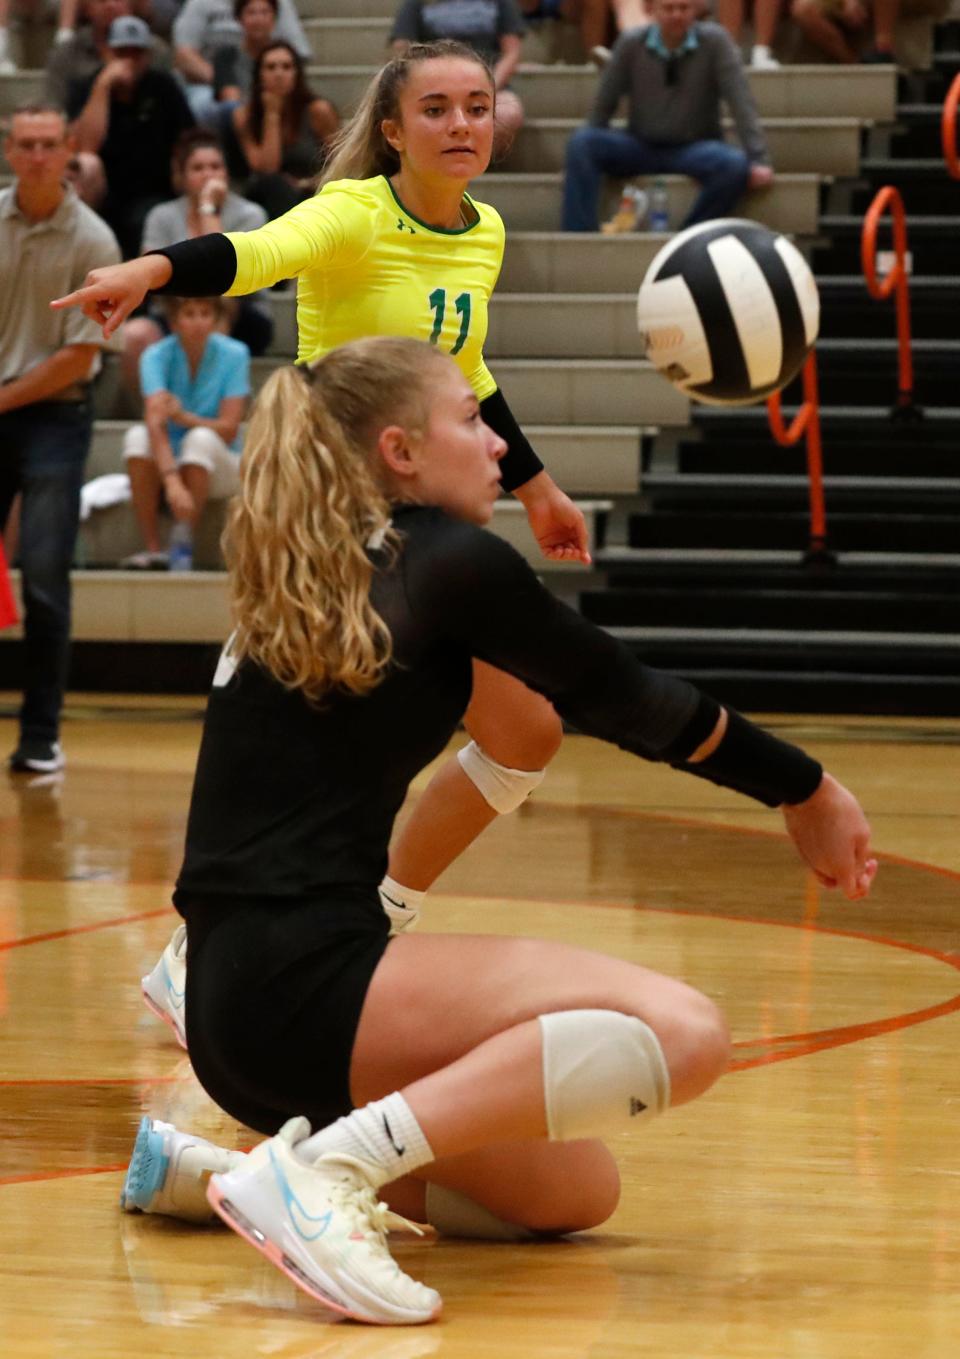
49, 240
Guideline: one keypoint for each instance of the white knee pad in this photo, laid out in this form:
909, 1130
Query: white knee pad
503, 788
601, 1070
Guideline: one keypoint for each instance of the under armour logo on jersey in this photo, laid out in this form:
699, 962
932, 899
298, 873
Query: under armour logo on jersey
637, 1106
402, 226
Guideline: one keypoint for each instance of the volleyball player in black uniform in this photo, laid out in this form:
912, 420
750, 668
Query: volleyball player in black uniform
483, 1066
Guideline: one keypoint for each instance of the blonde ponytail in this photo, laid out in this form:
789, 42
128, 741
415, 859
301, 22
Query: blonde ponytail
310, 504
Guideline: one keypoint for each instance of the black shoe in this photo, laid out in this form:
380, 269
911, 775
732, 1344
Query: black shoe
37, 757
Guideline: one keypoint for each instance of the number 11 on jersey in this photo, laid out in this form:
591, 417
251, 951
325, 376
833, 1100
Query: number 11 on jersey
438, 305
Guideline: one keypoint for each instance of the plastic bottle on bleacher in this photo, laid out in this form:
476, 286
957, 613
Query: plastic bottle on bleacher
659, 217
181, 547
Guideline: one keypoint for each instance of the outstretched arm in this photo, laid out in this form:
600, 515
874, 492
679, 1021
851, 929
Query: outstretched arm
476, 589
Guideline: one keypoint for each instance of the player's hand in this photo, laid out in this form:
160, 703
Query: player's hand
555, 521
109, 295
832, 836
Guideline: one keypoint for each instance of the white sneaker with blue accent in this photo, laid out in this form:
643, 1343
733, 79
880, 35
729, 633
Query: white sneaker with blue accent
169, 1172
322, 1225
164, 989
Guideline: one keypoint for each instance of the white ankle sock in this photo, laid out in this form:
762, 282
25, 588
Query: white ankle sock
384, 1135
402, 904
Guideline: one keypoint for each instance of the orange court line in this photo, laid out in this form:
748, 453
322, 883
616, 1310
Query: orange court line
83, 929
35, 1176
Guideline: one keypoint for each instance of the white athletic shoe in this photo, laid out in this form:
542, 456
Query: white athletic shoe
169, 1172
164, 989
762, 59
322, 1224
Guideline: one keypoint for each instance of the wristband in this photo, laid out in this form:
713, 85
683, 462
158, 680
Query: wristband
754, 762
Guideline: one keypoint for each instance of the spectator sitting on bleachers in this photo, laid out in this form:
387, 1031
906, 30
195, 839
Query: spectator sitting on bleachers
205, 204
131, 116
66, 24
282, 132
838, 27
494, 28
766, 15
77, 61
203, 26
195, 385
674, 73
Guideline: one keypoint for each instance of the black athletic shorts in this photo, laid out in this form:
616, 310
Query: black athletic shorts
274, 994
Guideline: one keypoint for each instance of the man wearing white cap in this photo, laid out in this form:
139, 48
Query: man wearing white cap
131, 116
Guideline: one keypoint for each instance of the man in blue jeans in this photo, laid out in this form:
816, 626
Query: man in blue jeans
675, 72
49, 240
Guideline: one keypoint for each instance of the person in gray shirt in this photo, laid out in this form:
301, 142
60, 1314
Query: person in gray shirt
674, 73
49, 240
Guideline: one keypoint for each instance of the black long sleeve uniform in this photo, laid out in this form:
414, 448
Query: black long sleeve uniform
290, 799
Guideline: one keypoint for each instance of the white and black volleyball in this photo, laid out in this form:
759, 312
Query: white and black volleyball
728, 311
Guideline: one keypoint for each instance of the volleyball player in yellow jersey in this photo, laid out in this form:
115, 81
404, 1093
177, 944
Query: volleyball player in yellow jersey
394, 245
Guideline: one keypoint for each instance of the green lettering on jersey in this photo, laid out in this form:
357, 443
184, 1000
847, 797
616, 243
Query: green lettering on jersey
438, 305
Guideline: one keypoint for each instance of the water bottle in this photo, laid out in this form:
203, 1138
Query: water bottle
181, 546
659, 219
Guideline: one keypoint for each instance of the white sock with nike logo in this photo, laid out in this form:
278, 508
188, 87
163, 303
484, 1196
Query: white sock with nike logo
384, 1135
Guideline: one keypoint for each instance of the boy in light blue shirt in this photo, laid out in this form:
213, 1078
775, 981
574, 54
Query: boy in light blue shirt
195, 385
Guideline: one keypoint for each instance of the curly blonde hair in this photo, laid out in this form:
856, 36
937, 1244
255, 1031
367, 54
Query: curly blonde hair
310, 506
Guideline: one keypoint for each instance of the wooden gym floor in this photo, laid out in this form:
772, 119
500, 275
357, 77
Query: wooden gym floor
805, 1209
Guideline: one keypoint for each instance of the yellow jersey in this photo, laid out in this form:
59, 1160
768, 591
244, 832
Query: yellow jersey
366, 266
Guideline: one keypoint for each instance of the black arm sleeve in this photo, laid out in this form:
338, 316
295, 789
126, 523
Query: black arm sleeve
473, 587
203, 267
520, 463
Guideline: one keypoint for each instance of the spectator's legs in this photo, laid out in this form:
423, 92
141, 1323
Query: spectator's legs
55, 439
208, 468
144, 485
594, 22
722, 170
730, 14
885, 13
593, 152
631, 13
203, 103
509, 120
821, 31
766, 14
